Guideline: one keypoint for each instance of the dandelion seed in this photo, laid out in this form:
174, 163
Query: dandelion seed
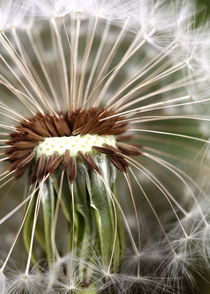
102, 111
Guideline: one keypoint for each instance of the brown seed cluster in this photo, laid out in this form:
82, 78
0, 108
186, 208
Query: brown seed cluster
32, 131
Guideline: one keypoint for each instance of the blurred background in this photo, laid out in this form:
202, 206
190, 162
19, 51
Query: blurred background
206, 286
206, 2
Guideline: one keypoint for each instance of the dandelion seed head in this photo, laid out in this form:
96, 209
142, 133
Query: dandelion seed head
90, 88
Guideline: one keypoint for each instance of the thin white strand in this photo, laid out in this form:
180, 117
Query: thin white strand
73, 216
107, 62
30, 97
12, 212
164, 74
155, 79
74, 64
7, 127
171, 134
166, 154
5, 107
153, 107
115, 223
60, 86
160, 76
132, 97
8, 45
17, 236
69, 102
83, 67
169, 197
135, 208
126, 224
6, 171
176, 105
9, 116
185, 174
96, 61
163, 90
171, 87
36, 213
152, 207
167, 166
130, 52
17, 41
149, 107
8, 181
163, 190
167, 140
165, 66
42, 64
32, 72
4, 134
146, 68
70, 267
20, 95
25, 73
144, 119
4, 159
63, 62
5, 146
169, 155
54, 246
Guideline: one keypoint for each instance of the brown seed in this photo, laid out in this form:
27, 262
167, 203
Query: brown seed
120, 162
89, 161
30, 135
66, 160
18, 154
104, 150
49, 122
40, 167
54, 164
26, 161
124, 138
72, 173
129, 149
92, 163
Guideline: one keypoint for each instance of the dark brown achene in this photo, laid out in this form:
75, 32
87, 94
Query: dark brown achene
93, 121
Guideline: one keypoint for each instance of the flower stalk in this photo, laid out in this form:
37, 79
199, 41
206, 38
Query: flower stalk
93, 221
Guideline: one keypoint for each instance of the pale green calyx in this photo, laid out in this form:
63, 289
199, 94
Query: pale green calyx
73, 143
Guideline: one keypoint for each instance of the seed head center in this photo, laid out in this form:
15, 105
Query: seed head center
73, 143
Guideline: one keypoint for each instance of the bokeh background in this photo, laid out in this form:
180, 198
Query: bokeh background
206, 2
205, 287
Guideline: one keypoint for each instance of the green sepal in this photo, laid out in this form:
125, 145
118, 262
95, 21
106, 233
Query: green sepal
84, 213
65, 194
48, 206
101, 202
27, 228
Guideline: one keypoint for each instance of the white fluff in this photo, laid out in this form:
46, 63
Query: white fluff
12, 13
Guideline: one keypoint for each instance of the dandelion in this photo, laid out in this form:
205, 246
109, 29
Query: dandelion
103, 111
